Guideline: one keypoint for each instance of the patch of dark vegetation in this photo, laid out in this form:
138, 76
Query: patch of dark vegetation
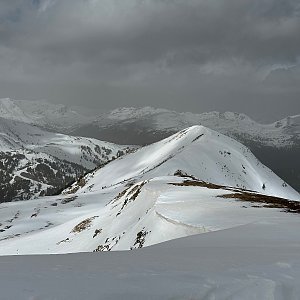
101, 248
198, 137
81, 182
85, 224
209, 185
266, 201
69, 199
108, 244
132, 195
97, 231
63, 241
122, 193
36, 212
199, 183
23, 178
248, 196
140, 239
181, 173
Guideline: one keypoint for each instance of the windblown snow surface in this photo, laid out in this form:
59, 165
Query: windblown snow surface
240, 217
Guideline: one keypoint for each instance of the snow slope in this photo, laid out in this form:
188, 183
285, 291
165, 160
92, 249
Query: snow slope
34, 161
174, 188
200, 152
256, 261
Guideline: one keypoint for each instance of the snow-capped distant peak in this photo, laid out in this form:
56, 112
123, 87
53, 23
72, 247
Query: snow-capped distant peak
43, 113
124, 113
10, 110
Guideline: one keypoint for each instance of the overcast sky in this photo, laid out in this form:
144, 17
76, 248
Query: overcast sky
188, 55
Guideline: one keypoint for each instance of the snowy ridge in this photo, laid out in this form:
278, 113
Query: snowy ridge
194, 182
200, 152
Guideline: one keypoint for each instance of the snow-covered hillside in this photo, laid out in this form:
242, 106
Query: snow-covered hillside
198, 151
34, 161
196, 181
87, 152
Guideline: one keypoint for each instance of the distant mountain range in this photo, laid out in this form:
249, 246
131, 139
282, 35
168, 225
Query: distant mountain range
146, 125
195, 181
277, 145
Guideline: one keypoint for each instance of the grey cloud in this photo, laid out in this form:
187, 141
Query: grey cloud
213, 54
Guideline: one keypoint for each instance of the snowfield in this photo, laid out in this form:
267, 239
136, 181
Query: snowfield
256, 261
213, 222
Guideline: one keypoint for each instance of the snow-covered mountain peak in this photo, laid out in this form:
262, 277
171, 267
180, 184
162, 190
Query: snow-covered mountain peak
196, 151
290, 124
125, 113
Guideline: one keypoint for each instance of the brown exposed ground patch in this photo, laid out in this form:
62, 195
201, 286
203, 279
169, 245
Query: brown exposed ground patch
81, 182
183, 174
266, 201
198, 183
209, 185
85, 224
68, 200
244, 195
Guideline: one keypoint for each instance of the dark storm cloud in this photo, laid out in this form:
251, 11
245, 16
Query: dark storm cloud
214, 54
